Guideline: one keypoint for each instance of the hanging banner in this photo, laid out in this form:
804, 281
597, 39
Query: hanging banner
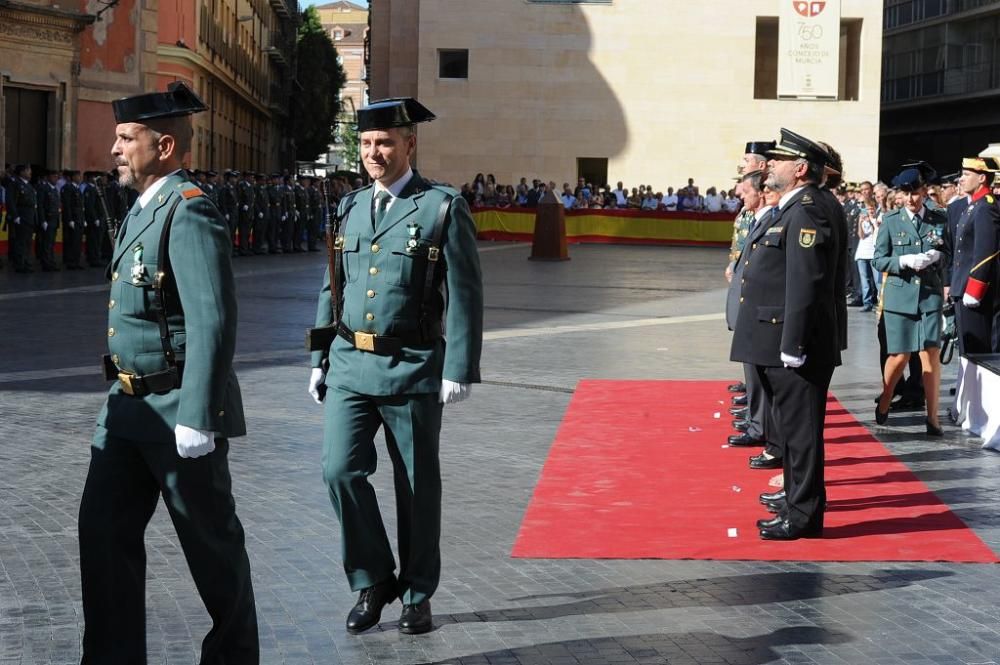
809, 49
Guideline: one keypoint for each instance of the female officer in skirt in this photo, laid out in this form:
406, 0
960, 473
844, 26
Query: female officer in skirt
908, 252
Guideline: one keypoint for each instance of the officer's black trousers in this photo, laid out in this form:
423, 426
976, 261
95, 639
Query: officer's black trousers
72, 244
243, 233
261, 229
45, 245
313, 230
124, 483
798, 404
94, 243
974, 327
757, 403
20, 254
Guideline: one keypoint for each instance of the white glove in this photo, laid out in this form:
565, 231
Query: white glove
793, 361
260, 215
245, 208
970, 301
72, 225
17, 220
316, 379
193, 443
45, 226
227, 216
933, 255
452, 393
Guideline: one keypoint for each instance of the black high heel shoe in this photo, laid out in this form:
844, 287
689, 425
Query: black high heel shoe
932, 430
881, 418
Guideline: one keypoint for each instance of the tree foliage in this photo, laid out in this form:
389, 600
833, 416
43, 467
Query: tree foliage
321, 78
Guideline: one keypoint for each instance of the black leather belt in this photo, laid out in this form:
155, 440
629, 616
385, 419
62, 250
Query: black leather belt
141, 385
380, 344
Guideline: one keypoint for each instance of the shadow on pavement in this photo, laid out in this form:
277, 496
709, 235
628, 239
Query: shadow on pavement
694, 647
725, 591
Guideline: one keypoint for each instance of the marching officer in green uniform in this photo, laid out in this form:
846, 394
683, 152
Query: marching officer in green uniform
303, 212
175, 401
385, 362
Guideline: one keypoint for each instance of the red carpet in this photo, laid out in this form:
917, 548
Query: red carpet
638, 470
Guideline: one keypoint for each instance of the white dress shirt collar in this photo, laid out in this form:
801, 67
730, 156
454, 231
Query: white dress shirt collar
151, 191
396, 188
788, 197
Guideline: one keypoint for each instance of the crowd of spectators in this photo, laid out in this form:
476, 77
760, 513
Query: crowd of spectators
485, 192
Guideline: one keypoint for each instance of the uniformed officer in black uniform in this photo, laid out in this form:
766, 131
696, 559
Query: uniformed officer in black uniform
229, 205
22, 217
303, 212
92, 219
73, 218
48, 220
276, 199
973, 242
784, 327
315, 214
245, 200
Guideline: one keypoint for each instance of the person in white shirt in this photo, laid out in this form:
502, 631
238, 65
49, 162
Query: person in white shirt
713, 202
669, 202
621, 196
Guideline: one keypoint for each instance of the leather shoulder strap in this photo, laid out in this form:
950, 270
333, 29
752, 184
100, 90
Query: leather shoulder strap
429, 319
165, 275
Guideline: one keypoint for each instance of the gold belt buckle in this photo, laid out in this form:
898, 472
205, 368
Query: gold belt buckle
364, 341
126, 382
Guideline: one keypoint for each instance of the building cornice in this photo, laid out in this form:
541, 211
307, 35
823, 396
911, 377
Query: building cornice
41, 17
192, 58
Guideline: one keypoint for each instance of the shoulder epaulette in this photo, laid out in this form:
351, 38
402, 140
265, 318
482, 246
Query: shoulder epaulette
191, 193
807, 199
989, 199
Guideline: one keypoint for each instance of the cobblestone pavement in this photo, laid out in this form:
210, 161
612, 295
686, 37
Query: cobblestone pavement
610, 312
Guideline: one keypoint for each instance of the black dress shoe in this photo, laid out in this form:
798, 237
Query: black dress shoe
881, 418
776, 507
740, 412
766, 524
416, 619
931, 429
737, 387
785, 530
740, 400
744, 439
367, 612
762, 461
741, 425
771, 497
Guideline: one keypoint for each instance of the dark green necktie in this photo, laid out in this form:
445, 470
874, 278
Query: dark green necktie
381, 204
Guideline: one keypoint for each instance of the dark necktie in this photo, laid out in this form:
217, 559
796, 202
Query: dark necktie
381, 204
133, 212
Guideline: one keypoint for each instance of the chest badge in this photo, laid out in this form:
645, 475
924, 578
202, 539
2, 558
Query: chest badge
414, 231
807, 238
139, 272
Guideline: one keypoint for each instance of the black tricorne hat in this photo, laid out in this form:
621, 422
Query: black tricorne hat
927, 172
394, 112
909, 179
759, 147
178, 100
796, 145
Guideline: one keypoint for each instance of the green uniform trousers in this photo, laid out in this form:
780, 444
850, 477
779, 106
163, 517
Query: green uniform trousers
124, 483
412, 426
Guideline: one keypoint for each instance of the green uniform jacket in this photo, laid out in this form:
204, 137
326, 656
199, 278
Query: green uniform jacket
741, 228
383, 287
203, 335
907, 291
